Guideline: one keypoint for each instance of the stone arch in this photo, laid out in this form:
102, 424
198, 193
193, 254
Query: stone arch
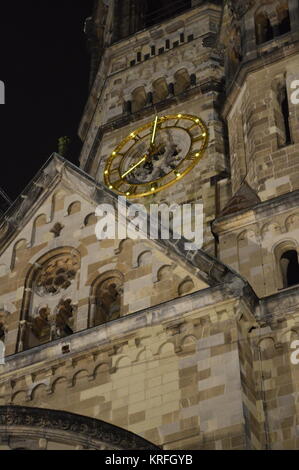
291, 222
289, 336
106, 299
286, 262
40, 221
182, 81
267, 348
124, 245
38, 392
189, 66
122, 364
263, 27
144, 258
186, 286
74, 208
44, 315
144, 355
164, 272
26, 423
189, 343
60, 382
90, 219
80, 376
160, 90
19, 397
271, 229
166, 349
17, 251
139, 98
103, 368
58, 200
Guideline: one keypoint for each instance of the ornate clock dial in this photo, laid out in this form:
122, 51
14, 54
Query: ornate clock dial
156, 155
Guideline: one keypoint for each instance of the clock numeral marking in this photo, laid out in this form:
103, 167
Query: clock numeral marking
132, 190
198, 138
118, 183
194, 155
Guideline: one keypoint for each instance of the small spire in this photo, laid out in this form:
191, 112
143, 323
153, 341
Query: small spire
63, 145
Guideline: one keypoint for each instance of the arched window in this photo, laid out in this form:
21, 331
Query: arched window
107, 292
263, 28
283, 16
281, 112
290, 268
48, 311
138, 99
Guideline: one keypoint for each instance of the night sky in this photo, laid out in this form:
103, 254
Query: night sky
45, 67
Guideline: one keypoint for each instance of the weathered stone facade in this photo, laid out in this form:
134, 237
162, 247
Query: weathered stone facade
188, 350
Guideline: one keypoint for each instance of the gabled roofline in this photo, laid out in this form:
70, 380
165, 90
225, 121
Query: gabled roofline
209, 269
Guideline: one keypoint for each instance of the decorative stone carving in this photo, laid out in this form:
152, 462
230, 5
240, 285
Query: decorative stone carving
48, 424
56, 275
40, 324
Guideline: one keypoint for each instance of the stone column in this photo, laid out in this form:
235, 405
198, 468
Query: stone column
93, 310
22, 332
250, 47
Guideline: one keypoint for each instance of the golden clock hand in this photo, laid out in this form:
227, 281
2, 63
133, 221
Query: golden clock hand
135, 166
154, 130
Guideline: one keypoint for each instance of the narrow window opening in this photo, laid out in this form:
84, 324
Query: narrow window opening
285, 114
263, 28
284, 25
290, 268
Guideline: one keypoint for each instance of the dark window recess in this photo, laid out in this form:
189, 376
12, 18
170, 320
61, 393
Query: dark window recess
176, 44
171, 88
263, 29
182, 37
285, 23
128, 107
138, 56
161, 50
153, 50
147, 56
149, 99
167, 44
290, 268
286, 115
133, 62
190, 37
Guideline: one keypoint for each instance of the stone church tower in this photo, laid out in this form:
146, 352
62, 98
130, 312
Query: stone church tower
130, 344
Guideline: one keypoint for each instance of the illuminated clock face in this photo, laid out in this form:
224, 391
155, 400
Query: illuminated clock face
156, 155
